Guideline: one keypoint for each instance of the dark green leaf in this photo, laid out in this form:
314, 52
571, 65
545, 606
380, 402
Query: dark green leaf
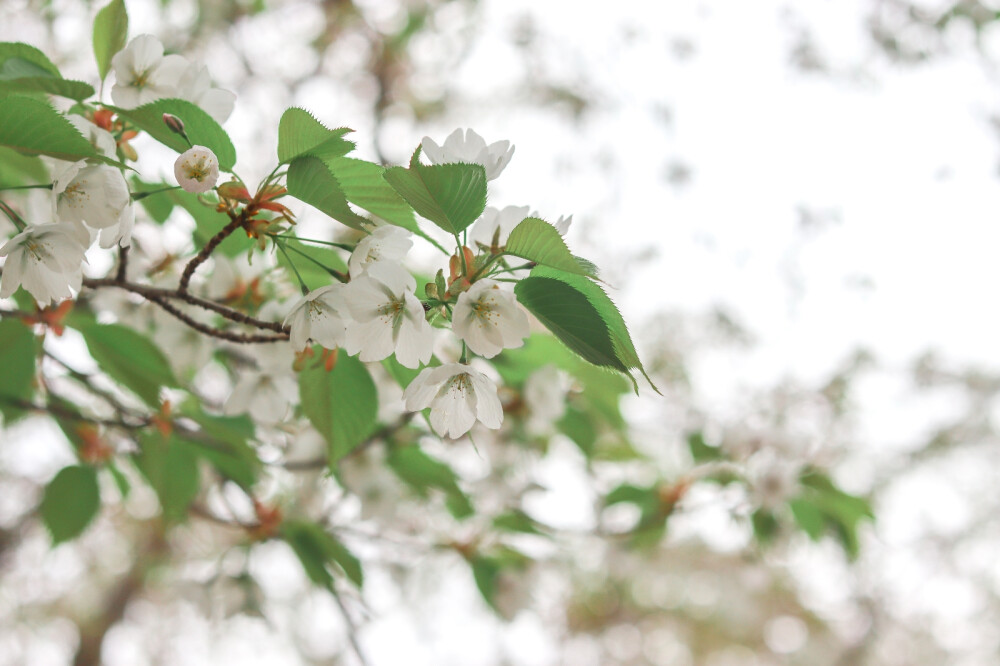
311, 181
451, 196
110, 34
77, 90
171, 467
342, 404
300, 134
200, 127
130, 359
70, 502
316, 549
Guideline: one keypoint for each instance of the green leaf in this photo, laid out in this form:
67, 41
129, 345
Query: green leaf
200, 127
516, 520
70, 502
17, 366
537, 240
77, 90
451, 196
580, 314
421, 471
17, 169
222, 441
701, 451
311, 181
171, 467
110, 34
575, 425
130, 359
364, 186
300, 134
32, 127
21, 53
316, 548
809, 518
341, 404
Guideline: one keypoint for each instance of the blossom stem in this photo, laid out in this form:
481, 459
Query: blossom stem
236, 222
14, 217
342, 246
27, 187
302, 283
336, 274
136, 196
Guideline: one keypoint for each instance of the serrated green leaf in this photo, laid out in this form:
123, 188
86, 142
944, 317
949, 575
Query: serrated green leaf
130, 359
300, 134
70, 502
452, 196
32, 127
21, 52
573, 320
310, 180
341, 404
171, 468
316, 548
537, 240
17, 366
77, 90
19, 68
200, 127
110, 34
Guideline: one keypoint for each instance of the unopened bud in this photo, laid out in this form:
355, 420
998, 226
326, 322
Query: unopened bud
431, 290
175, 124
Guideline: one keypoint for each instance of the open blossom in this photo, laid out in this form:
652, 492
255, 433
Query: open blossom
95, 194
386, 243
457, 395
143, 74
470, 148
100, 139
46, 260
492, 219
387, 317
195, 85
264, 394
197, 169
318, 316
488, 319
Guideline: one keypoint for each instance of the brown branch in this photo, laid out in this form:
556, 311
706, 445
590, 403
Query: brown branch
382, 433
122, 264
16, 313
235, 223
245, 338
66, 413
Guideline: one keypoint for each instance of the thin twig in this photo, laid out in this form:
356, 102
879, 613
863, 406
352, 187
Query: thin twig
235, 223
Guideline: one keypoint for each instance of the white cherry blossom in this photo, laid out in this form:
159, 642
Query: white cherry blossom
385, 243
457, 395
46, 260
265, 394
143, 74
545, 396
470, 148
195, 85
492, 219
197, 169
95, 194
387, 316
100, 139
319, 316
488, 320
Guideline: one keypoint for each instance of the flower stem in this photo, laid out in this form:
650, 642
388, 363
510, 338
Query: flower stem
342, 246
14, 217
337, 274
302, 283
27, 187
136, 196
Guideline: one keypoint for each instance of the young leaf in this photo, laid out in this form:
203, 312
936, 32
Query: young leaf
110, 34
316, 548
130, 359
200, 127
70, 502
311, 181
17, 366
300, 134
451, 196
363, 185
32, 127
537, 240
341, 404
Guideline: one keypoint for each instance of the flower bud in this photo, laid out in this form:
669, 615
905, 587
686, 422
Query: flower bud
175, 124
